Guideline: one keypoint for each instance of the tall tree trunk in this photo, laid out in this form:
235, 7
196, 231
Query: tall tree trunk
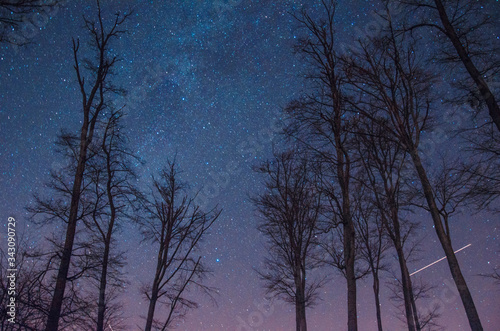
395, 236
349, 256
62, 275
376, 292
407, 289
484, 90
444, 239
414, 305
101, 308
155, 289
152, 306
107, 239
349, 251
349, 235
300, 310
409, 302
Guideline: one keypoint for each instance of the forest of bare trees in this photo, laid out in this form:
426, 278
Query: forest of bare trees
338, 198
361, 121
91, 197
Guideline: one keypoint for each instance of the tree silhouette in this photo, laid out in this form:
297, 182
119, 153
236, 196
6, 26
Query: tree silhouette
401, 101
322, 123
464, 27
93, 105
114, 199
175, 226
291, 212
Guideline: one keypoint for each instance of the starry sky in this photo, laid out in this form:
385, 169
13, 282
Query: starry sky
207, 80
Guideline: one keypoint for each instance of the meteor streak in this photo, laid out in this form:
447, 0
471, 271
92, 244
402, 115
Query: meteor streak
441, 259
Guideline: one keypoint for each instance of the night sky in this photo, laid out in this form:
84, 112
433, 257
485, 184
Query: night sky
208, 82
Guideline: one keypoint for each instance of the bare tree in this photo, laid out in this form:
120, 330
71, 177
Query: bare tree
106, 199
387, 178
373, 243
175, 226
384, 161
322, 123
93, 104
113, 197
465, 26
462, 29
420, 289
291, 211
34, 284
51, 210
400, 93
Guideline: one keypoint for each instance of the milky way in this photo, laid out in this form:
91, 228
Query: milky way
207, 80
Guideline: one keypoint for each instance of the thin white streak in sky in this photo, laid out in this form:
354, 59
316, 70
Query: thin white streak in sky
441, 259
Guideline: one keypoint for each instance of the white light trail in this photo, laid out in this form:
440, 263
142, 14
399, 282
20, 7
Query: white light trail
441, 259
